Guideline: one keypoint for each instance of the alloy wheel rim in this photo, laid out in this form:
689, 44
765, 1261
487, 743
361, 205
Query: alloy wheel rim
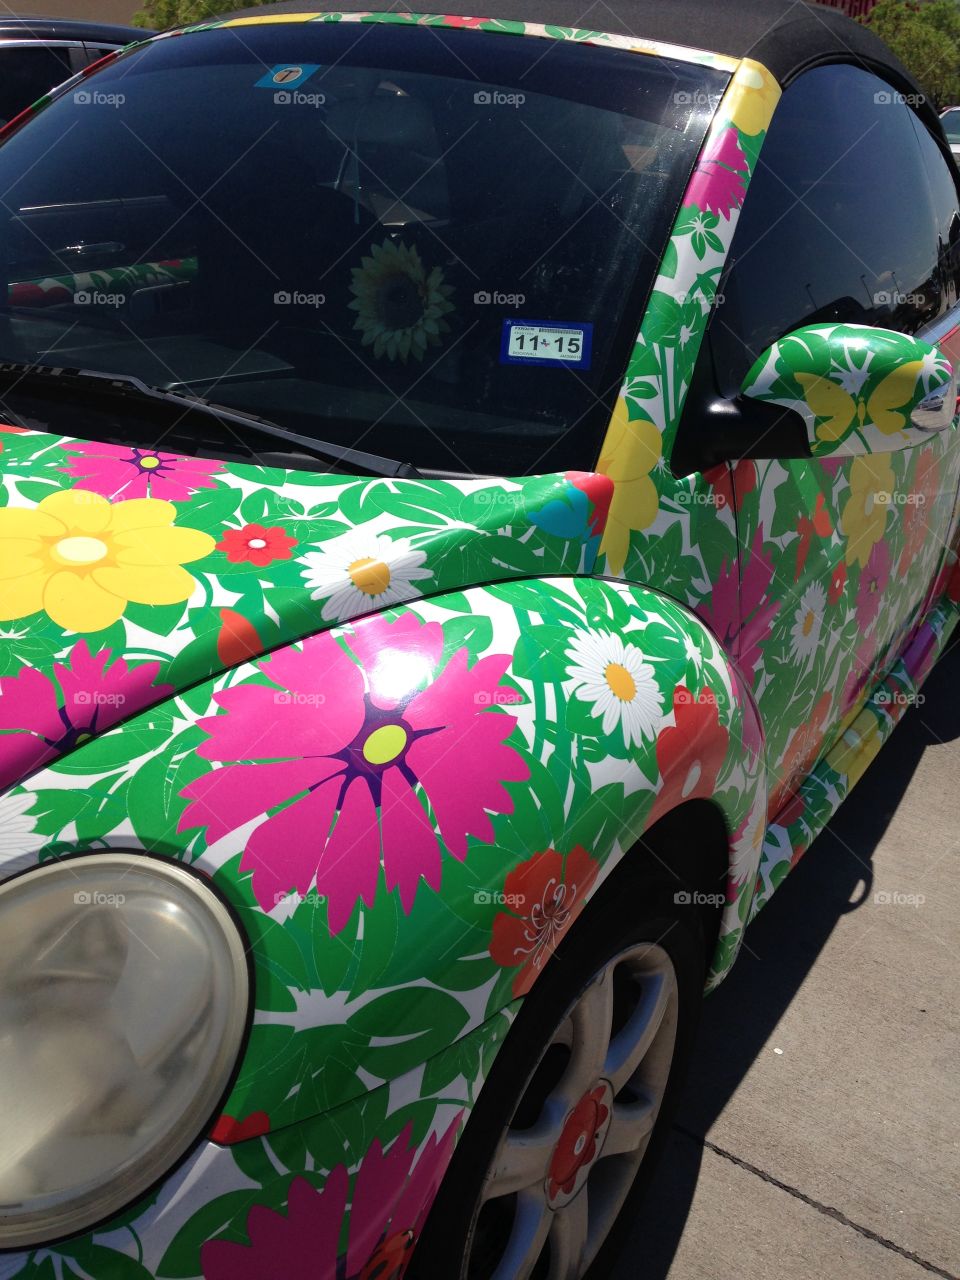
565, 1163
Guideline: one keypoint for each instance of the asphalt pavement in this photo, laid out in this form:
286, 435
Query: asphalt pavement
819, 1134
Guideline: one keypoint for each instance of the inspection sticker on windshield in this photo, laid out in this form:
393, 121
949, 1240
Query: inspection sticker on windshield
287, 75
546, 342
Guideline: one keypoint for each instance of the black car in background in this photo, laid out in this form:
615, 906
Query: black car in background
38, 53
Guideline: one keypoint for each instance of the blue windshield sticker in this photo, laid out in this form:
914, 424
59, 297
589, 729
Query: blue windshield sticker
546, 342
287, 75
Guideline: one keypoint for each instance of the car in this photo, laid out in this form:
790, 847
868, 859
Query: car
36, 54
477, 493
950, 118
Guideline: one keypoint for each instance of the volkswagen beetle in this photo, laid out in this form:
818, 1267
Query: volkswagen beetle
476, 495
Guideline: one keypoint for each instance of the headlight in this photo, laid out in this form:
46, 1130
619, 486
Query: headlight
123, 1005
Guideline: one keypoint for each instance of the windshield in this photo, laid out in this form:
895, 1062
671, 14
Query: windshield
434, 245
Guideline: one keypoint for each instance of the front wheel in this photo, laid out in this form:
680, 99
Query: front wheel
569, 1124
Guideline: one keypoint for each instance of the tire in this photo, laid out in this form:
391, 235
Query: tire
638, 954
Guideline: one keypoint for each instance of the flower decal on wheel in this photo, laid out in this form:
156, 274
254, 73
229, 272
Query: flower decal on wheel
82, 559
391, 1195
120, 471
613, 677
543, 896
351, 745
359, 572
400, 305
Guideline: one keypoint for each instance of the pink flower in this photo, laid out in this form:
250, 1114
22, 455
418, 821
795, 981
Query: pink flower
391, 1198
35, 726
873, 583
352, 735
120, 471
758, 608
718, 184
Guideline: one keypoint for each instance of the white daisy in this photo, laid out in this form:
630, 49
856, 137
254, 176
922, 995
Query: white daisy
808, 622
614, 677
18, 838
362, 571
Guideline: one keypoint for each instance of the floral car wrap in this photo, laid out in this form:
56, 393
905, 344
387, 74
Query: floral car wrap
408, 735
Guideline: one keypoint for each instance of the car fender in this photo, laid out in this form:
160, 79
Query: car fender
392, 806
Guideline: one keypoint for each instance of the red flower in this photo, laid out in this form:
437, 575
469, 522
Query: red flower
577, 1146
820, 524
238, 640
802, 750
227, 1130
256, 544
544, 895
838, 582
732, 484
599, 491
691, 752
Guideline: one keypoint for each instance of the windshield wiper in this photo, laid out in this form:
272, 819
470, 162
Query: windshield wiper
126, 385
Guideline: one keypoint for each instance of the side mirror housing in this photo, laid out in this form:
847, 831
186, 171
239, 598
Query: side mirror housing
857, 389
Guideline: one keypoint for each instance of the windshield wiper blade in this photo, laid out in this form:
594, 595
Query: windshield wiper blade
124, 384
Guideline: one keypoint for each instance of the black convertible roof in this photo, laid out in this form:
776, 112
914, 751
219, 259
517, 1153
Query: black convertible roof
787, 36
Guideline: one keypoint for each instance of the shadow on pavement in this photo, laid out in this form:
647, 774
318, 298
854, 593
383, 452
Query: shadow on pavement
783, 943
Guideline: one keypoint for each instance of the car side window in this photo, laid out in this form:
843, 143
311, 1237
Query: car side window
946, 208
27, 73
838, 223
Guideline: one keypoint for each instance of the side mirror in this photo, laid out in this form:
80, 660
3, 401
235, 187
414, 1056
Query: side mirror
857, 389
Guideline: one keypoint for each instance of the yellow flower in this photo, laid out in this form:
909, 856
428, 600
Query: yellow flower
864, 515
82, 559
630, 452
858, 748
400, 308
753, 95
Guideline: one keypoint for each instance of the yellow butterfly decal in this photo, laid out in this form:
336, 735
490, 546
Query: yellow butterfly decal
843, 411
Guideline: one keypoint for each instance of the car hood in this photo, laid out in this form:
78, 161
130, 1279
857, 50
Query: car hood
129, 575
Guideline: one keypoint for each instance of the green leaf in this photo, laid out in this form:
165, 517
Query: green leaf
419, 1021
